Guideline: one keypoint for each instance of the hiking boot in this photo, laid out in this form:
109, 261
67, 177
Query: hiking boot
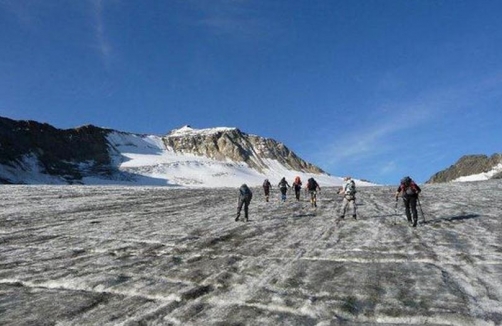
354, 217
237, 217
341, 216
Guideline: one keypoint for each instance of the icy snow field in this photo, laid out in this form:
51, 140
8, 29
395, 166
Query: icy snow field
87, 255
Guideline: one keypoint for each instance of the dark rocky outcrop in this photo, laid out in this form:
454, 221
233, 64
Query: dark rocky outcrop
468, 165
59, 152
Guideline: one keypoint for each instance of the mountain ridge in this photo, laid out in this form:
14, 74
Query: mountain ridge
34, 152
474, 167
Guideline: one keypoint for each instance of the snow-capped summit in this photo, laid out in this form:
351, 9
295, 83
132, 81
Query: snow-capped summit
215, 157
187, 130
35, 153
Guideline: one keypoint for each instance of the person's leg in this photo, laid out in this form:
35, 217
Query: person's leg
407, 209
246, 209
413, 207
353, 203
239, 208
312, 198
345, 203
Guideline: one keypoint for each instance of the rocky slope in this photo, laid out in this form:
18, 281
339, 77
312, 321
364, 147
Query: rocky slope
61, 153
70, 156
233, 144
470, 166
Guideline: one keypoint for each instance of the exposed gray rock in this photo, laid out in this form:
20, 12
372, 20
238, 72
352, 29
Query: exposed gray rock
468, 165
239, 147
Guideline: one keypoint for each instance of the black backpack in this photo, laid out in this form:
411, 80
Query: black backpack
245, 192
311, 184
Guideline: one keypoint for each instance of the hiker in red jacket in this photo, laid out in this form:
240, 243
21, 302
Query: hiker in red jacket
266, 189
297, 185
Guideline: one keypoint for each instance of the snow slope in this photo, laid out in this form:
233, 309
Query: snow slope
83, 255
481, 176
147, 158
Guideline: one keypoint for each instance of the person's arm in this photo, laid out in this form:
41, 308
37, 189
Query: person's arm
398, 191
418, 189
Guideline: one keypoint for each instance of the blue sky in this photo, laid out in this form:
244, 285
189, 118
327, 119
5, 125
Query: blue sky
376, 89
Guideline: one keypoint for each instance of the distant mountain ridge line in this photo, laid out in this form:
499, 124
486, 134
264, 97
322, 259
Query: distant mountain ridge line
34, 152
71, 155
471, 168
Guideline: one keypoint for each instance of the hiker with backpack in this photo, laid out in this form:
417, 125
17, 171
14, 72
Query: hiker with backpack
312, 188
266, 189
297, 186
409, 190
348, 190
245, 196
283, 187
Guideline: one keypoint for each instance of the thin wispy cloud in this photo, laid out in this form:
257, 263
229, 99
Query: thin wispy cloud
102, 43
373, 138
379, 136
231, 18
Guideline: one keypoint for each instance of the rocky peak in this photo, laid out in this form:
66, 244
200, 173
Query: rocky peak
468, 165
59, 152
233, 144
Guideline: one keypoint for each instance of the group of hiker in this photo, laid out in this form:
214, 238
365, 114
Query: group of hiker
311, 187
407, 189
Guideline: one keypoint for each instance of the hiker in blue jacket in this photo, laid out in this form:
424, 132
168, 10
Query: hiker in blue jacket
283, 187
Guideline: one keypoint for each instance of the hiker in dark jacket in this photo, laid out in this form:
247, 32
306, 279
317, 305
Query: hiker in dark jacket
283, 186
312, 187
297, 185
266, 188
409, 190
245, 196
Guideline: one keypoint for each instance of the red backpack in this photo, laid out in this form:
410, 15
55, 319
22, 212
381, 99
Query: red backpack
408, 186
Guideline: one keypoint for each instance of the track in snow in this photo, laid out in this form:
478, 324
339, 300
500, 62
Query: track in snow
136, 255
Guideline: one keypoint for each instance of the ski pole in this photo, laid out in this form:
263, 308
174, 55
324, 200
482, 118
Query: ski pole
421, 211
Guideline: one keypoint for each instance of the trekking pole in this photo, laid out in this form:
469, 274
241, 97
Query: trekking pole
421, 211
395, 211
